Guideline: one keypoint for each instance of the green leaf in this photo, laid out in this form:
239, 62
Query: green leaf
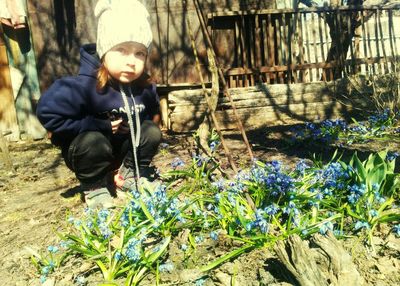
152, 256
103, 268
241, 218
359, 167
146, 211
376, 176
352, 213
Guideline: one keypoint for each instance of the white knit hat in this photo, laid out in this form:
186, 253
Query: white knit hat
121, 21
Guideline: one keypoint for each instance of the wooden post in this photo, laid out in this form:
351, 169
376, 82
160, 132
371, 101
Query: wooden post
164, 111
321, 43
22, 57
8, 116
222, 77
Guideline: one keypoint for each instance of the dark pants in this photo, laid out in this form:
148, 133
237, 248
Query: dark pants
91, 155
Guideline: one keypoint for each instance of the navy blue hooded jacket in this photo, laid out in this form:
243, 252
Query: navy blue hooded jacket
73, 105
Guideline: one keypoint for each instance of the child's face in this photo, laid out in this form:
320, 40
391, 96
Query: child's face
125, 62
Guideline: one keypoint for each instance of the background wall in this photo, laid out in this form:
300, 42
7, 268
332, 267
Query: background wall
60, 27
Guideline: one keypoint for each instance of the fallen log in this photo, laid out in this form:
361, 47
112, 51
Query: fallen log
320, 261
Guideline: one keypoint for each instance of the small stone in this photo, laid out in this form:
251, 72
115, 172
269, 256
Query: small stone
49, 282
223, 278
189, 275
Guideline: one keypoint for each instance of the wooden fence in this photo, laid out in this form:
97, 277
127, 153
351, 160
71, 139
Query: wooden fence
296, 46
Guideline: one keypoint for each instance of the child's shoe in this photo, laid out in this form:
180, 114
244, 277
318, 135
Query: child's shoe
125, 180
97, 196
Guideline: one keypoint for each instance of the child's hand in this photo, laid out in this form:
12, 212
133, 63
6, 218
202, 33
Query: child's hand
115, 124
119, 126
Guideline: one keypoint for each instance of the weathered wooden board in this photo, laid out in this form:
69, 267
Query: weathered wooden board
261, 105
253, 99
21, 57
8, 116
293, 93
254, 117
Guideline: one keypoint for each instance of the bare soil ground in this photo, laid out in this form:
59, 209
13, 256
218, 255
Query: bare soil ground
38, 193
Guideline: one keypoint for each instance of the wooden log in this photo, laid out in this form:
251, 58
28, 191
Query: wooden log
323, 261
265, 105
255, 100
297, 258
335, 260
254, 117
276, 93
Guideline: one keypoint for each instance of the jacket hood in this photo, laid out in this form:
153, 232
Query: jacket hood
90, 61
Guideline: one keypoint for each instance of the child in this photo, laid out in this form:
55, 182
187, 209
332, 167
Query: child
107, 116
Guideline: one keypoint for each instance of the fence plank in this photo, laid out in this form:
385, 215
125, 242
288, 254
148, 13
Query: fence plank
381, 36
8, 115
314, 39
302, 38
301, 48
376, 34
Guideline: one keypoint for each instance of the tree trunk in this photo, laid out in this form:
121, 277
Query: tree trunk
322, 261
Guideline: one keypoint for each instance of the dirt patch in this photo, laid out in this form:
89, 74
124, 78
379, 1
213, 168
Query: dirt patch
40, 192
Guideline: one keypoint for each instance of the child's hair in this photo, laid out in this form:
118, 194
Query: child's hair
104, 78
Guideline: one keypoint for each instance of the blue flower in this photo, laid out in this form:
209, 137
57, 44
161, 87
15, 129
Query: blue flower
214, 145
177, 162
279, 183
373, 213
263, 225
52, 249
219, 184
133, 250
80, 280
199, 159
390, 156
43, 278
164, 145
301, 166
166, 267
103, 215
71, 219
65, 244
356, 191
360, 225
249, 226
379, 198
46, 270
118, 255
276, 165
304, 232
271, 209
338, 232
325, 227
180, 218
396, 230
200, 282
184, 247
199, 239
214, 235
105, 231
